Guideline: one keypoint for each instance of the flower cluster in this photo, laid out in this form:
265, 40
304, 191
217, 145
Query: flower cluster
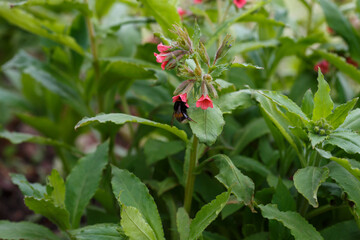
168, 57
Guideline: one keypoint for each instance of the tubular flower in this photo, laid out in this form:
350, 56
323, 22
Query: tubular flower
239, 3
181, 97
160, 58
181, 12
197, 1
323, 65
204, 102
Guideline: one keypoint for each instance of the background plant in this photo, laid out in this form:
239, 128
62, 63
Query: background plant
287, 156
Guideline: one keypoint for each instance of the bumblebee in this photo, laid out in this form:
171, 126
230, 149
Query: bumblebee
180, 113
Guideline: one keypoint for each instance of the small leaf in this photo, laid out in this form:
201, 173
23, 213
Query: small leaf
316, 139
183, 222
28, 189
207, 214
349, 183
104, 231
298, 226
232, 178
25, 230
134, 225
57, 191
131, 192
230, 101
47, 208
347, 140
246, 65
340, 113
208, 123
352, 121
308, 180
83, 182
283, 198
307, 105
348, 230
120, 118
323, 105
156, 150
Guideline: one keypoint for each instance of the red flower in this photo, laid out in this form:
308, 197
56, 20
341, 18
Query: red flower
197, 1
204, 102
351, 61
323, 65
160, 58
181, 97
239, 3
181, 12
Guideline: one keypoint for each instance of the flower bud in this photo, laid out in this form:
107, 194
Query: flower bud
198, 71
212, 90
203, 54
184, 87
208, 77
204, 89
224, 48
322, 132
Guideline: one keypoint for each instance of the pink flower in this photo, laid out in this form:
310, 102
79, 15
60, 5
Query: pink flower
181, 97
204, 102
197, 1
323, 65
160, 57
181, 11
239, 3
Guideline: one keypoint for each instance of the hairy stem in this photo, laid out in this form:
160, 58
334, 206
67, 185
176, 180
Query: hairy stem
189, 187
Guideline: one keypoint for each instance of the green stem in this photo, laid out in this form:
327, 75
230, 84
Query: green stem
308, 27
321, 210
190, 181
304, 206
94, 53
126, 109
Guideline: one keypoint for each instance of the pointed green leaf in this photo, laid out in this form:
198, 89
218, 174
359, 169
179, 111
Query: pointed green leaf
208, 123
120, 118
323, 105
307, 105
230, 101
103, 231
348, 230
308, 180
131, 192
283, 198
56, 188
316, 139
83, 182
156, 150
47, 208
347, 140
25, 230
352, 121
232, 178
183, 222
349, 183
134, 224
207, 214
340, 113
28, 189
298, 226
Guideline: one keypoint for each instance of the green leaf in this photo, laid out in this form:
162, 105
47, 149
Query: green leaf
104, 231
232, 178
316, 139
230, 101
163, 186
343, 230
283, 198
208, 123
131, 192
341, 64
28, 189
17, 138
13, 99
347, 140
307, 105
340, 113
156, 150
253, 45
298, 226
323, 105
246, 65
56, 188
36, 26
103, 7
47, 208
25, 230
352, 121
134, 224
338, 22
164, 12
225, 25
253, 130
251, 165
120, 118
207, 214
183, 222
349, 183
83, 181
308, 180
